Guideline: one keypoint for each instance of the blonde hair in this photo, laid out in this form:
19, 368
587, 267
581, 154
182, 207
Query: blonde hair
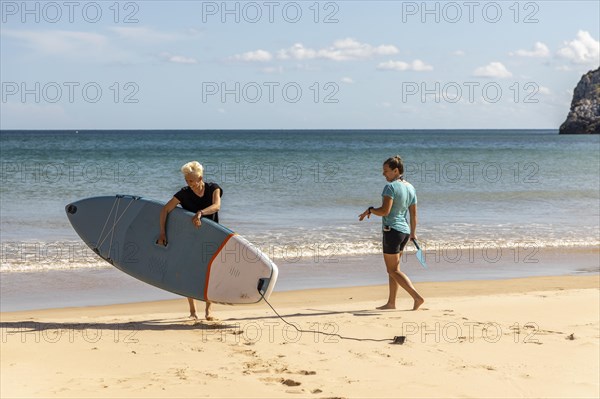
194, 168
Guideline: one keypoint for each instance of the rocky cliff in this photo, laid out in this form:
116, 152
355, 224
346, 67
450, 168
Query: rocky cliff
584, 116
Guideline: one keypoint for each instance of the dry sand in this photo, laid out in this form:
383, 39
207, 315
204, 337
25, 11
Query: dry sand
533, 337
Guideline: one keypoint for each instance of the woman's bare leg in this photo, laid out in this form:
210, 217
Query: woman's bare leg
392, 264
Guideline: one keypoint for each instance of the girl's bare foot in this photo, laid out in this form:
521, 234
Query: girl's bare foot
387, 306
208, 316
418, 303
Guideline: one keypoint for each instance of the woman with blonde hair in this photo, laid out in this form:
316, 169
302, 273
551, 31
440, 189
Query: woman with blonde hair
202, 198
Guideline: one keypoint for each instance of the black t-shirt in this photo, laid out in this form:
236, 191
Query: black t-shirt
191, 202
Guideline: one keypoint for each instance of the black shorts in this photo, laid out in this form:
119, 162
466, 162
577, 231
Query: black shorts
394, 241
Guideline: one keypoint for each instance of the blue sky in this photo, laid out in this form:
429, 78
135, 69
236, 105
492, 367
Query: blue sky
293, 65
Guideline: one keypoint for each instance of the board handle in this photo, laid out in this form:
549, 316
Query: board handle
165, 246
261, 284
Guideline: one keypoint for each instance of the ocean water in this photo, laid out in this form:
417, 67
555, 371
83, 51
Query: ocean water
297, 194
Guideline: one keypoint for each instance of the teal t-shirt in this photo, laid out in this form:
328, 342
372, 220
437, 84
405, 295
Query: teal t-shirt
403, 195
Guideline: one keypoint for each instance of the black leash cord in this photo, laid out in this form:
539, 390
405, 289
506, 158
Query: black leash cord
321, 332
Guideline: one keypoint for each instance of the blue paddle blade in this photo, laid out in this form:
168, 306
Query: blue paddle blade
419, 254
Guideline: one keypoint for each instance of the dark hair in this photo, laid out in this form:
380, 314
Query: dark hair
395, 163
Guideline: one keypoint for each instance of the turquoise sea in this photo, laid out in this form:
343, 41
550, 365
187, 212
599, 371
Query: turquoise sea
297, 194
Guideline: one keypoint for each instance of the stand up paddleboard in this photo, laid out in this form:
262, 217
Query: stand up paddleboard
207, 263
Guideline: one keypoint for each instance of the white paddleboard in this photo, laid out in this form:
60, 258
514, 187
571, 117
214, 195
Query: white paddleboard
207, 263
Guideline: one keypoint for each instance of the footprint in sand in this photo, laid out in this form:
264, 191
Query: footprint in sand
290, 383
305, 372
181, 374
271, 380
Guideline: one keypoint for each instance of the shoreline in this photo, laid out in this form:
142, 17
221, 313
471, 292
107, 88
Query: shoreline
333, 295
106, 286
540, 333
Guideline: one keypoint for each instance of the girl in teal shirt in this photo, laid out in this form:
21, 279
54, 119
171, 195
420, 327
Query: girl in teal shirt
399, 198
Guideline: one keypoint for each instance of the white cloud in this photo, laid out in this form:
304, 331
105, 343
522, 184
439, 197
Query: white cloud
458, 53
146, 35
583, 50
308, 67
89, 46
178, 59
492, 70
297, 51
416, 65
272, 70
420, 66
347, 79
59, 42
545, 90
253, 56
540, 50
341, 50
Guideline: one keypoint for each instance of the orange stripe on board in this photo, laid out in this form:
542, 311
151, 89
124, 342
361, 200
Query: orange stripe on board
211, 262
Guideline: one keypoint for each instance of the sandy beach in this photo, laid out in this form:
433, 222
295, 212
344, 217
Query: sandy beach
531, 337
